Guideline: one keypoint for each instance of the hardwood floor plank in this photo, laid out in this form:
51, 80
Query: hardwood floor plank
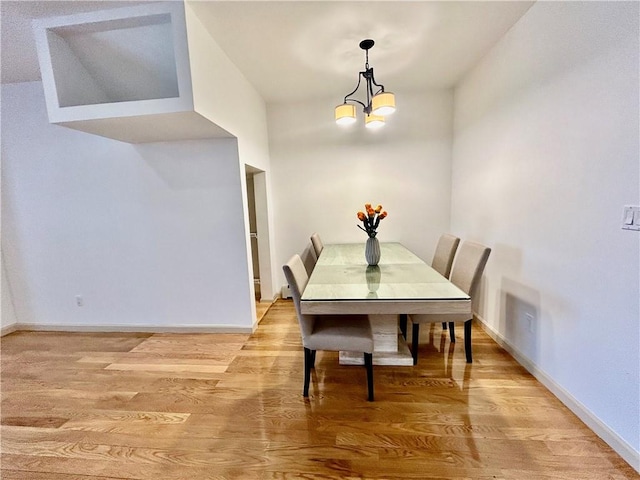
28, 434
35, 421
167, 367
516, 474
60, 466
94, 406
18, 475
158, 358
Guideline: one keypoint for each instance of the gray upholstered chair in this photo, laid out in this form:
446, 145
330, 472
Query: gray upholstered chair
465, 274
442, 262
328, 332
444, 254
309, 258
317, 244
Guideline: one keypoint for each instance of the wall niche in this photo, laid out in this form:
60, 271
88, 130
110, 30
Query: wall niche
122, 74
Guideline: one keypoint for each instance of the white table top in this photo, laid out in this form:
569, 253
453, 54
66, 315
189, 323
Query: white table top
401, 283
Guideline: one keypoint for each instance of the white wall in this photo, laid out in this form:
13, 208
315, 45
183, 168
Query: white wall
8, 314
149, 235
153, 235
324, 173
223, 95
545, 156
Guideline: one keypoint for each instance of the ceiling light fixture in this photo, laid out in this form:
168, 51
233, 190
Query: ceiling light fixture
378, 103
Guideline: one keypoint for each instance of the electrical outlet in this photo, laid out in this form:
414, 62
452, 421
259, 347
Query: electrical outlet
530, 322
79, 300
631, 217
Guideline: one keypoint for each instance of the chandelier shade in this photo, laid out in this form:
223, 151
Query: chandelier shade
383, 104
373, 121
377, 102
345, 114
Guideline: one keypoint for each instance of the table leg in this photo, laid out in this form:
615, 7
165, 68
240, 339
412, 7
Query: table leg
389, 347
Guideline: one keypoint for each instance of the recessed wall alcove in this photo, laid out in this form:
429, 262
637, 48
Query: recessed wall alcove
122, 74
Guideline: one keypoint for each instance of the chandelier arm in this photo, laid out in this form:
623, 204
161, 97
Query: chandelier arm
360, 75
373, 80
355, 101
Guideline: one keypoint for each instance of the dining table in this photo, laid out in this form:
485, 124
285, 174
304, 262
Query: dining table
401, 284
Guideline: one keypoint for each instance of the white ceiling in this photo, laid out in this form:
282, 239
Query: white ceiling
294, 50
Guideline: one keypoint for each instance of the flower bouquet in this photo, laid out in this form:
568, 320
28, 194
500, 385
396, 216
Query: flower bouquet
371, 219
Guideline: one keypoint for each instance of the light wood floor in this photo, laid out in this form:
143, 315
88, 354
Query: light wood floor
261, 309
201, 406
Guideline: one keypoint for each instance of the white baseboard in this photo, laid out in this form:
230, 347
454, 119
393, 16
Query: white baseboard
7, 330
32, 327
622, 448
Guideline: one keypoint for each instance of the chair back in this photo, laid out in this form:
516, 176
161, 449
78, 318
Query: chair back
468, 267
317, 244
309, 259
444, 254
297, 278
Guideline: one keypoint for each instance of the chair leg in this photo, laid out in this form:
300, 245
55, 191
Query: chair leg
313, 358
467, 340
444, 325
452, 332
308, 358
414, 342
368, 363
403, 325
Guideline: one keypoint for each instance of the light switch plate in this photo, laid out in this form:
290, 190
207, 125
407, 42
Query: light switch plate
631, 217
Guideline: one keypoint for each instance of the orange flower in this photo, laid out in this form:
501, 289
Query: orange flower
371, 219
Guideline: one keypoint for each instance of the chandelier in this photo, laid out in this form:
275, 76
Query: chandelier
378, 103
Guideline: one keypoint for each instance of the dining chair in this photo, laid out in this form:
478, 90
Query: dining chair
328, 332
465, 274
309, 258
444, 254
442, 262
317, 244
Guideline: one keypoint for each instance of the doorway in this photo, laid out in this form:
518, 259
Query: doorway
259, 239
253, 233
